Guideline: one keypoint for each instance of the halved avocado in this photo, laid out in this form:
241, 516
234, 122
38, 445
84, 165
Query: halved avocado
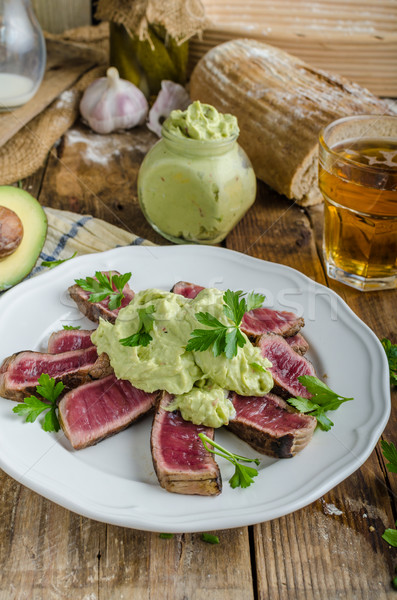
16, 266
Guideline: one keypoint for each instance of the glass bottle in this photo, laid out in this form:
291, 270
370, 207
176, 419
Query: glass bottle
195, 190
22, 53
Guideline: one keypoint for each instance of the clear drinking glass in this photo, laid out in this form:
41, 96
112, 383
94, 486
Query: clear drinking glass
22, 53
358, 179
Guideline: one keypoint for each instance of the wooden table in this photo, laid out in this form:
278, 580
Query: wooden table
47, 552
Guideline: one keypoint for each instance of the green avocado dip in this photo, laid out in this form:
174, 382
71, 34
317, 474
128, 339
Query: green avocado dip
196, 183
197, 379
201, 122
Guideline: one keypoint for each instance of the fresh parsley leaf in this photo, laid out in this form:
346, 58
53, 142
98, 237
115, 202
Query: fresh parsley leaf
70, 327
142, 337
322, 400
33, 406
257, 367
390, 536
391, 353
243, 475
224, 339
102, 287
55, 263
254, 301
210, 538
389, 451
166, 536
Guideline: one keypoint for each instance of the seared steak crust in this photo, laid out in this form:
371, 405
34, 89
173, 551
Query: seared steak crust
19, 373
94, 310
298, 343
270, 425
181, 462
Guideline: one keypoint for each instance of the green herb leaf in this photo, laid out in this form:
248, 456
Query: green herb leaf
70, 327
142, 337
390, 536
257, 367
254, 300
322, 400
391, 353
33, 406
243, 475
102, 287
389, 451
54, 263
166, 536
222, 338
209, 538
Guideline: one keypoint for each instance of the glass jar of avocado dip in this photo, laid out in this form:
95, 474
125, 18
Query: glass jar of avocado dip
196, 189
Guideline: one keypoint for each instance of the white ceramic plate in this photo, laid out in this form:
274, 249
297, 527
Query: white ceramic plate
114, 481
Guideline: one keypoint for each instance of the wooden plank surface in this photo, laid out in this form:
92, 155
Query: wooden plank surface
329, 550
65, 64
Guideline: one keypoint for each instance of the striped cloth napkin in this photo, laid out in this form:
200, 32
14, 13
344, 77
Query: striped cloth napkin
70, 232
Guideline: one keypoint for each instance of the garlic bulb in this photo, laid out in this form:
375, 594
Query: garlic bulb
111, 103
172, 96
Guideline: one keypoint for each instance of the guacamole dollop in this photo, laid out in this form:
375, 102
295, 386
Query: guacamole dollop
197, 379
201, 122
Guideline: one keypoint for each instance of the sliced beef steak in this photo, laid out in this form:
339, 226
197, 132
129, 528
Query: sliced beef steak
186, 289
69, 339
20, 372
99, 409
266, 320
181, 462
270, 425
94, 310
287, 366
257, 321
298, 343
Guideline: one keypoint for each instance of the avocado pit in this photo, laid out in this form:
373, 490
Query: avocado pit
11, 231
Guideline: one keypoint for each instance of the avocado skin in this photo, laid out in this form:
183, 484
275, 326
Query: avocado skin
16, 266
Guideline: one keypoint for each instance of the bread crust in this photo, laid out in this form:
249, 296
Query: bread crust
281, 104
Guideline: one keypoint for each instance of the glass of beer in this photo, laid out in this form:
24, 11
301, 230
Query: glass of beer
358, 179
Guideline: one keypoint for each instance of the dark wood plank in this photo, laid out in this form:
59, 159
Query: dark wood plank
97, 174
314, 553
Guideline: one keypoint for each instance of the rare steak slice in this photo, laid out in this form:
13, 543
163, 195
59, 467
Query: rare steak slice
270, 425
20, 372
181, 462
99, 409
298, 343
94, 310
266, 320
186, 289
287, 366
69, 339
257, 321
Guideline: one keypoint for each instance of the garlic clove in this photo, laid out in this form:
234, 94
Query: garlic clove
111, 103
172, 96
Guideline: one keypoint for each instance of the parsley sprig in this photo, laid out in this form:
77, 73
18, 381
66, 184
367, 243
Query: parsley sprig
243, 475
224, 338
391, 353
102, 287
322, 400
54, 263
389, 451
142, 337
33, 406
71, 327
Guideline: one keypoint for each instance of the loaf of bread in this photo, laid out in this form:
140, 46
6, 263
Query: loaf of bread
281, 104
